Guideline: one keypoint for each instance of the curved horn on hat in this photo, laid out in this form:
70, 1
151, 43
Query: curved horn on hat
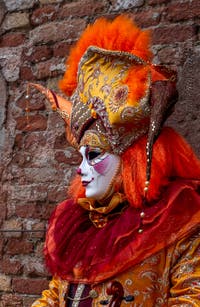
60, 105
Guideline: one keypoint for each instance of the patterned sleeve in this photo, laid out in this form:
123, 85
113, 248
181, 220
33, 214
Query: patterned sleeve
49, 297
185, 274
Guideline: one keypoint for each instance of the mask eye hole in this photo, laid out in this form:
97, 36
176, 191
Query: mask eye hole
93, 153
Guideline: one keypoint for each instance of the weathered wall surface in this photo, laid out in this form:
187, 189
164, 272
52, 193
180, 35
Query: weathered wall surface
36, 162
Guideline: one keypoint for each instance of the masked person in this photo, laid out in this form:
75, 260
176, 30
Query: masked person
129, 233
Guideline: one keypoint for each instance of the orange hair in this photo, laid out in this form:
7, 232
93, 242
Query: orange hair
172, 158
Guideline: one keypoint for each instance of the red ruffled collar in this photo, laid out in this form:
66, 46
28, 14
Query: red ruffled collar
77, 251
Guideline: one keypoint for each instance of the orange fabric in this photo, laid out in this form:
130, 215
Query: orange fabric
168, 278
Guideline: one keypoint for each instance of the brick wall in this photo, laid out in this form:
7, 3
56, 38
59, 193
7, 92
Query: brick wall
36, 161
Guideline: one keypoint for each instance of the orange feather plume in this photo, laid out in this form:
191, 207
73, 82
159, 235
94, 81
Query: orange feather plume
120, 34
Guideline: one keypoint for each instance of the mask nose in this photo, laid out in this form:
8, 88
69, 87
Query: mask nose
79, 172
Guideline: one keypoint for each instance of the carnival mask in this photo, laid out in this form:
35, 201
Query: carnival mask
98, 170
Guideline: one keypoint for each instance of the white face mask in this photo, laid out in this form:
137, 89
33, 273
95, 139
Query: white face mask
98, 170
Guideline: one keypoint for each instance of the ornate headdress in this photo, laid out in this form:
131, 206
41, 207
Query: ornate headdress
116, 93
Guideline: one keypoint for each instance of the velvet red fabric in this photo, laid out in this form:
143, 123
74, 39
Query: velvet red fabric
77, 251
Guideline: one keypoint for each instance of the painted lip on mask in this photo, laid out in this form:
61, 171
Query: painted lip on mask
85, 183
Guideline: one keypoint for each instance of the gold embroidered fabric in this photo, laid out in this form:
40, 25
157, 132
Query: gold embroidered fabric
98, 214
89, 204
171, 277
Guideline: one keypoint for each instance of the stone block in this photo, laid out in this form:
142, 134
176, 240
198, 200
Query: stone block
19, 247
37, 54
183, 11
50, 1
3, 98
121, 5
10, 266
13, 5
5, 283
155, 2
148, 18
185, 119
83, 8
29, 285
43, 14
2, 11
172, 34
27, 192
10, 59
26, 73
14, 225
12, 39
52, 67
169, 55
11, 300
15, 21
34, 123
61, 49
57, 31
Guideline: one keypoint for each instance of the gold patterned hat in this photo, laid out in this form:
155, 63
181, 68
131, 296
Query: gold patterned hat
104, 108
109, 79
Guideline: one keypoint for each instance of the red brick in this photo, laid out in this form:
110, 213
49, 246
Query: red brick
35, 210
11, 300
2, 243
33, 141
35, 123
57, 195
154, 2
60, 142
37, 54
7, 266
12, 39
19, 246
29, 286
21, 160
26, 73
3, 210
19, 140
32, 212
2, 10
55, 120
32, 104
50, 68
57, 31
61, 49
172, 34
148, 18
183, 11
43, 15
168, 55
72, 158
82, 8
